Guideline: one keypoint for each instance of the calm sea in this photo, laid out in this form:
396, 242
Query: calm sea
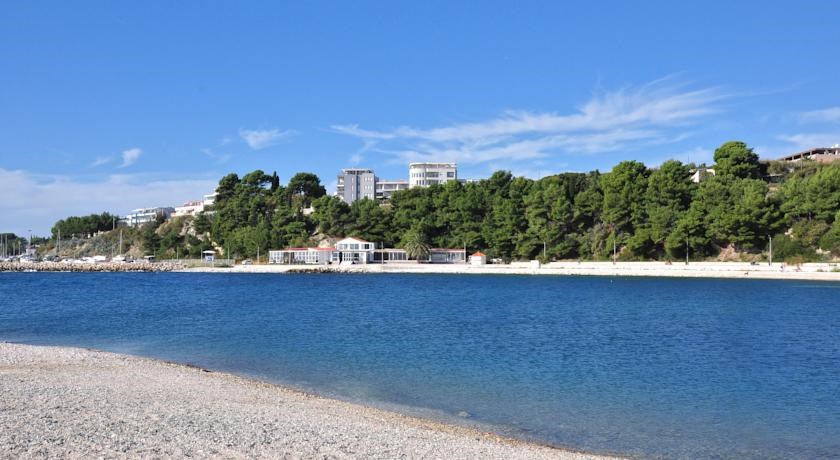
638, 366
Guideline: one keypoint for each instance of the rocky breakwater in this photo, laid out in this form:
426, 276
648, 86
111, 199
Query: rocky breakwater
89, 267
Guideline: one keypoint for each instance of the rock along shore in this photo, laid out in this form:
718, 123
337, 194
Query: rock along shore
75, 403
89, 267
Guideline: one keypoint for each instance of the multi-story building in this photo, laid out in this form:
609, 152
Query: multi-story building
191, 208
355, 184
144, 215
426, 174
386, 188
818, 154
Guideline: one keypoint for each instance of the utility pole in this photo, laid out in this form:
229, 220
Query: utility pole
30, 246
58, 245
686, 250
544, 251
614, 250
770, 259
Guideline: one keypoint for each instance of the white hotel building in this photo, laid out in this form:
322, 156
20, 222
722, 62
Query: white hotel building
426, 174
356, 251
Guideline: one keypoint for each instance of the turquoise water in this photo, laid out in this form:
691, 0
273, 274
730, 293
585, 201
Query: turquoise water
674, 368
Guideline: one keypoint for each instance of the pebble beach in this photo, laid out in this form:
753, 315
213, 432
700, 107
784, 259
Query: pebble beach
75, 403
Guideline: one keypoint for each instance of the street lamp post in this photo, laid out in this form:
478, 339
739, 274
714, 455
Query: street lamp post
770, 259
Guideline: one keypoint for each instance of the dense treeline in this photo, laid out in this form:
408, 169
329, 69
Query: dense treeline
643, 213
84, 225
638, 212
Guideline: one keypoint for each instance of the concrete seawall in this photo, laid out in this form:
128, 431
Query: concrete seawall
734, 270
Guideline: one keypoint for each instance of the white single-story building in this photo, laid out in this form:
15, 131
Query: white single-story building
308, 256
358, 251
479, 258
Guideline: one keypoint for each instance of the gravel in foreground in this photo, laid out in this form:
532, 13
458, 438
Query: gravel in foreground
74, 403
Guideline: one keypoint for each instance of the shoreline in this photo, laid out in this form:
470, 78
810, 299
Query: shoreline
728, 270
823, 271
65, 401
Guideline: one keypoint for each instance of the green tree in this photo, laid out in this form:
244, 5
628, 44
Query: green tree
668, 196
624, 196
306, 185
332, 216
735, 159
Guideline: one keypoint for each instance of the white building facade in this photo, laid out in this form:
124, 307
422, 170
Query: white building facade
426, 174
145, 215
385, 188
357, 251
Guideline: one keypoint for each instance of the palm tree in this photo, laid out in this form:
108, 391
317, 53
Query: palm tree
414, 243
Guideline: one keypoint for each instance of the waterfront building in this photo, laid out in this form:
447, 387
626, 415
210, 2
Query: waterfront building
307, 256
355, 250
355, 184
358, 251
818, 154
448, 255
141, 216
479, 258
426, 174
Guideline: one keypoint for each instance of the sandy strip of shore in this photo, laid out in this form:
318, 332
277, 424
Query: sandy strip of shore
732, 270
76, 403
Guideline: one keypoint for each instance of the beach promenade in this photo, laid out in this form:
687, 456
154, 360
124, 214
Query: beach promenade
735, 270
75, 403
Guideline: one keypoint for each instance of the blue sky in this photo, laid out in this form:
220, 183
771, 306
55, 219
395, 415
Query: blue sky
116, 105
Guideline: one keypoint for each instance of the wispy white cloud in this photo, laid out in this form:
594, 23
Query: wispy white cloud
221, 158
130, 156
803, 141
657, 113
259, 139
356, 158
828, 115
99, 161
37, 201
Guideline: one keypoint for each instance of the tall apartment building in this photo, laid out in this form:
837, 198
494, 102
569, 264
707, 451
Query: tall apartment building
355, 184
426, 174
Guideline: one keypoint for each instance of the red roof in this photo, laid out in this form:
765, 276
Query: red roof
479, 254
